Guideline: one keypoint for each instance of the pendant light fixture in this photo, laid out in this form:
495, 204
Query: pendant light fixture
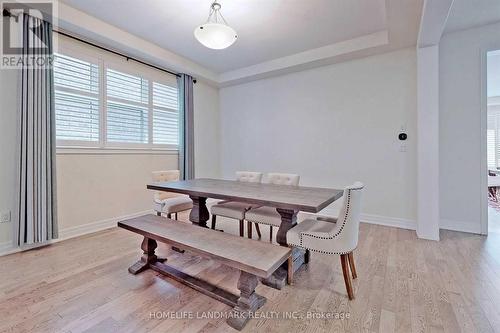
215, 33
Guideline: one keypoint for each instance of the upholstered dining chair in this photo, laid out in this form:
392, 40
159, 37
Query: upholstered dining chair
269, 215
234, 209
168, 203
333, 236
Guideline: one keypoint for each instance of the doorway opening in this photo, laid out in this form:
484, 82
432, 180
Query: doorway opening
493, 139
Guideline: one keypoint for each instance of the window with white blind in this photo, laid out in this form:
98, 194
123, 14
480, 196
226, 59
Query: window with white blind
493, 139
127, 108
165, 115
76, 99
99, 104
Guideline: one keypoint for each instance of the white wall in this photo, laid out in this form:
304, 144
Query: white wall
206, 130
332, 125
97, 188
461, 91
428, 142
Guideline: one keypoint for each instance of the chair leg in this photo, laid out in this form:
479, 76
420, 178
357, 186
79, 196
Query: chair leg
242, 228
351, 264
169, 216
289, 278
158, 213
307, 257
271, 233
258, 230
344, 260
249, 229
214, 220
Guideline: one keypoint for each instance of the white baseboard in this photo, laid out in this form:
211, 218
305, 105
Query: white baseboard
72, 232
7, 248
387, 221
462, 226
96, 226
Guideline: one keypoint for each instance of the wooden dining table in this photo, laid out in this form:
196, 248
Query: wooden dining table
288, 201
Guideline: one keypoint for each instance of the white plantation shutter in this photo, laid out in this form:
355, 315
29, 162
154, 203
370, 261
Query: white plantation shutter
76, 99
493, 139
165, 115
491, 149
127, 108
124, 105
127, 87
127, 123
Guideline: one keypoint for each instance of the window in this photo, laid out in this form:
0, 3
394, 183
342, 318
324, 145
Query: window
76, 99
103, 105
127, 104
493, 139
165, 115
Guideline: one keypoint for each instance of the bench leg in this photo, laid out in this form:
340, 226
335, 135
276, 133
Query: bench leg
248, 302
148, 247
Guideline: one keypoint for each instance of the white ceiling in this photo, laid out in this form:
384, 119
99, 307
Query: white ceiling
267, 29
467, 14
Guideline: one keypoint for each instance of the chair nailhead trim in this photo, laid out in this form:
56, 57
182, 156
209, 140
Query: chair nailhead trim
338, 232
319, 251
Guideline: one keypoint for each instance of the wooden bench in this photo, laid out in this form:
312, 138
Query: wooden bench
253, 258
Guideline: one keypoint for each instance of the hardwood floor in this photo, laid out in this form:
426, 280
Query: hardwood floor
403, 285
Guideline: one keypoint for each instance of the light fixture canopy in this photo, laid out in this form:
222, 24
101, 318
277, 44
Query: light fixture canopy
215, 33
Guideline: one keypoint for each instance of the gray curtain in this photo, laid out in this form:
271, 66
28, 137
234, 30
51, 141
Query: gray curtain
186, 127
36, 214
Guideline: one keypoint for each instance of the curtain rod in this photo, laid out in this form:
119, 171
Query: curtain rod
115, 52
7, 13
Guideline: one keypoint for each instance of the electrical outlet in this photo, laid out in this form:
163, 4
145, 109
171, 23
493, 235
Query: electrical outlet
5, 217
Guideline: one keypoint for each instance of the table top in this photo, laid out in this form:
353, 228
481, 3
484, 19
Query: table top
299, 198
253, 256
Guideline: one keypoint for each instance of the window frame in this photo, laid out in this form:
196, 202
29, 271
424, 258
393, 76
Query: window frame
163, 108
77, 143
112, 62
